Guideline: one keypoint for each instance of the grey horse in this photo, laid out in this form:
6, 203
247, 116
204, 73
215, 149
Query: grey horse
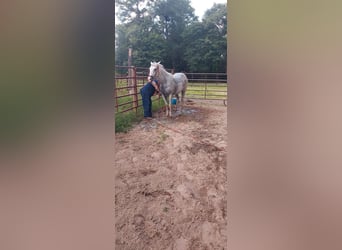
170, 84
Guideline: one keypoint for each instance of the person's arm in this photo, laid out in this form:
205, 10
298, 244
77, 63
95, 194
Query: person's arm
155, 85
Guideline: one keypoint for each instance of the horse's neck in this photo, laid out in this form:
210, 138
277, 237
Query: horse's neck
163, 76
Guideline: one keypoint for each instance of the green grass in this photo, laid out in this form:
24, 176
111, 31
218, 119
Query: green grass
212, 90
125, 121
162, 137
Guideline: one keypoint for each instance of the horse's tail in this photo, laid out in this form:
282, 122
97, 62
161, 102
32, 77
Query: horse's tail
186, 81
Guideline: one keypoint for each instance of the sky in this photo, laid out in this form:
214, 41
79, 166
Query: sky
201, 6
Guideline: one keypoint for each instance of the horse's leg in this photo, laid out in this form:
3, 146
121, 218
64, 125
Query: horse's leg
182, 100
170, 105
177, 101
166, 106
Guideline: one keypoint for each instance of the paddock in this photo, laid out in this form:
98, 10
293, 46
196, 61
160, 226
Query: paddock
171, 180
129, 80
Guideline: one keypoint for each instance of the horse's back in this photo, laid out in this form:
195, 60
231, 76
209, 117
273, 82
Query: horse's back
181, 80
180, 77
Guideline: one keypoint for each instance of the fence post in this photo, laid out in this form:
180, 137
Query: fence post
130, 79
135, 89
115, 94
130, 84
205, 90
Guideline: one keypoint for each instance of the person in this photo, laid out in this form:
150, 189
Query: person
151, 88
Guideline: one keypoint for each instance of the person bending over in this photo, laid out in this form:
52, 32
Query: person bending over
151, 88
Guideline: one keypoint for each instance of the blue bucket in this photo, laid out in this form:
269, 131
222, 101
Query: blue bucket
174, 101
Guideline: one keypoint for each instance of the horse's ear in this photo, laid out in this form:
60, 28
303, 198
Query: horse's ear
159, 62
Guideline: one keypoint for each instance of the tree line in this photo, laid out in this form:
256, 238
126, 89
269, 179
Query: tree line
170, 32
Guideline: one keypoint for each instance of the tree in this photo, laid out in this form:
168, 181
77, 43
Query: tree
132, 10
121, 45
215, 20
139, 32
168, 31
172, 17
207, 42
196, 47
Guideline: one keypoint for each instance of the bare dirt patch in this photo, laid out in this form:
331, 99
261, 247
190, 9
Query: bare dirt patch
170, 181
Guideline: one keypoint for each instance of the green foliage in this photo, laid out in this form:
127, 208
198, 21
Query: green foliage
207, 41
172, 17
168, 31
139, 32
124, 121
132, 10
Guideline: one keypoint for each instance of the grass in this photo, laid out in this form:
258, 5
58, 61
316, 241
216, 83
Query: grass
162, 137
125, 121
210, 91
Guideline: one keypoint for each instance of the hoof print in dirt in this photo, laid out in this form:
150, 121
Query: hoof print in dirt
138, 220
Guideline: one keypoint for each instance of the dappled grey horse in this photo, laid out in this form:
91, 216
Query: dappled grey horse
170, 84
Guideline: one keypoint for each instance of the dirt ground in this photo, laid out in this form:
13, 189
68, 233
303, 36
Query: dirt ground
171, 181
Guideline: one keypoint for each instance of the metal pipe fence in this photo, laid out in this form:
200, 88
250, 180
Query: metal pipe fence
127, 84
208, 86
129, 80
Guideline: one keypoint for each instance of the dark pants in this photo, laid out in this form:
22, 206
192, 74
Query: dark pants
146, 93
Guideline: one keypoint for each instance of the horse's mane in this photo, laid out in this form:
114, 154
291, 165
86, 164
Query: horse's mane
161, 66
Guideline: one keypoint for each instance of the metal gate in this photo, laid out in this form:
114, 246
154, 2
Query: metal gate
208, 86
127, 84
129, 80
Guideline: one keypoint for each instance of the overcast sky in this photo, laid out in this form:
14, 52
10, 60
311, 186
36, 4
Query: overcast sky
201, 6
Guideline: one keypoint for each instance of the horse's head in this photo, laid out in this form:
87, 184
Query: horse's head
154, 69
